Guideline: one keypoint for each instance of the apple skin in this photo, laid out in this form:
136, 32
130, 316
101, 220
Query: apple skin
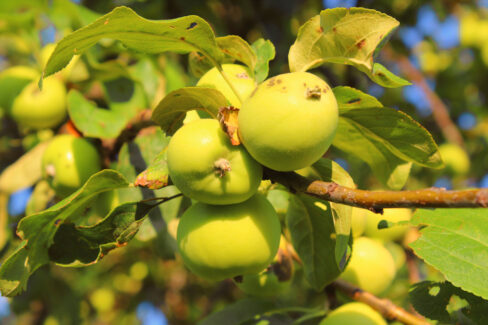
12, 81
371, 266
455, 159
193, 152
289, 121
391, 233
398, 254
358, 221
40, 109
354, 313
223, 241
68, 162
237, 74
264, 284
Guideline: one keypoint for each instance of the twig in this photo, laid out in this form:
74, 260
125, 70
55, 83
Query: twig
384, 306
439, 109
378, 200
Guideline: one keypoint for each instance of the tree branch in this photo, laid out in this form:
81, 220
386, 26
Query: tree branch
384, 306
378, 200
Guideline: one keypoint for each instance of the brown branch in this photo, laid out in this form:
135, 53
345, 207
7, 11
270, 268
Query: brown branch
439, 110
384, 306
378, 200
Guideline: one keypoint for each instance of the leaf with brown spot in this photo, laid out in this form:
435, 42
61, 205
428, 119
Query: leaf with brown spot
228, 121
156, 175
349, 36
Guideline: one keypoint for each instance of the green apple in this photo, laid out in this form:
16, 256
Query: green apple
289, 121
224, 241
455, 159
40, 109
358, 221
371, 266
387, 234
205, 166
398, 254
264, 284
239, 77
354, 313
68, 162
12, 81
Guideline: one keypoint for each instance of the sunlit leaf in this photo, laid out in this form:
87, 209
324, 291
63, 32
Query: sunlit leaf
347, 36
455, 242
171, 111
181, 35
38, 231
265, 52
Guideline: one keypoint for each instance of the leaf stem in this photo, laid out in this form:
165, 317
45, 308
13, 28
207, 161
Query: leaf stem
224, 75
376, 201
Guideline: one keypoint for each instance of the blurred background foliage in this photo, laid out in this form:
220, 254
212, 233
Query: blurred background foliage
445, 43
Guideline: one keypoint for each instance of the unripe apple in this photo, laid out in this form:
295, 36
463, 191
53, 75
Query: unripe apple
12, 81
264, 284
398, 254
224, 241
40, 109
387, 234
289, 121
354, 313
371, 266
358, 221
68, 162
239, 77
455, 159
205, 166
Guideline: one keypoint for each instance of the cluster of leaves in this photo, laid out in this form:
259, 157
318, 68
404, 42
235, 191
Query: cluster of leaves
390, 145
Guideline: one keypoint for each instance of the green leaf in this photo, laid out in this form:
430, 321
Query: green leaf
80, 245
380, 142
239, 312
311, 225
181, 35
265, 52
233, 48
156, 175
134, 158
455, 242
346, 36
38, 230
238, 49
434, 299
91, 120
330, 171
171, 111
24, 172
397, 131
348, 97
126, 98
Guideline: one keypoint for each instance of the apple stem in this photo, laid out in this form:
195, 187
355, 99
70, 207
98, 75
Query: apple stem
222, 166
224, 75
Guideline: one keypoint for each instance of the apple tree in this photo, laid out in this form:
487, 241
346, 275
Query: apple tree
236, 194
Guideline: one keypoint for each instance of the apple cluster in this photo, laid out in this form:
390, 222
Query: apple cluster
232, 231
68, 159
